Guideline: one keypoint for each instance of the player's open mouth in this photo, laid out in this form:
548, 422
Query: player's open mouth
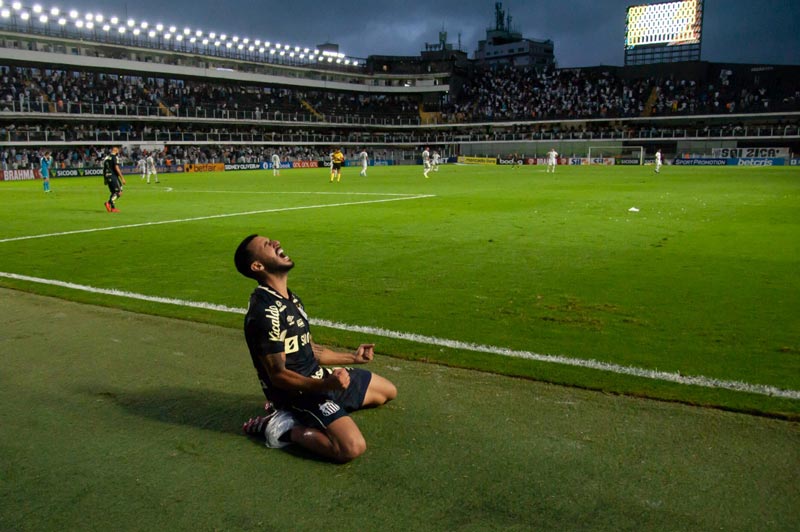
282, 254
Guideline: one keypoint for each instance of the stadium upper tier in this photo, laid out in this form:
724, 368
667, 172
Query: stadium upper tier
500, 95
108, 29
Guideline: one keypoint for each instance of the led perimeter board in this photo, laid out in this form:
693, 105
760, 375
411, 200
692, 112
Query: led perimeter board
663, 33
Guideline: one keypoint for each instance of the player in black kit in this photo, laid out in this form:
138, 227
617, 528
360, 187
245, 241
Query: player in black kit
112, 176
308, 404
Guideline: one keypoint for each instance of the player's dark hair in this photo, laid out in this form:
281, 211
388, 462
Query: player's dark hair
243, 257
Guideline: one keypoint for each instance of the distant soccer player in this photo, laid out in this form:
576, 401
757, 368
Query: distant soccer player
112, 176
426, 162
552, 160
44, 167
337, 160
151, 168
141, 164
435, 161
364, 157
515, 160
658, 161
276, 164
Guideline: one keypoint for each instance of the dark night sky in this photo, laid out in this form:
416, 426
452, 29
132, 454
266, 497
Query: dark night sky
585, 32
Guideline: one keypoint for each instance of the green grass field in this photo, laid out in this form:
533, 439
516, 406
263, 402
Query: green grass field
702, 281
118, 420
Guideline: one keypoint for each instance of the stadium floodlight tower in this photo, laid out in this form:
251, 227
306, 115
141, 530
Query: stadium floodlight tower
667, 32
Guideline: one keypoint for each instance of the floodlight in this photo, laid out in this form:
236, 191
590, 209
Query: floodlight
114, 21
246, 40
131, 22
272, 52
266, 43
282, 52
89, 16
72, 14
193, 40
136, 31
172, 29
98, 18
17, 6
43, 19
106, 27
330, 59
261, 50
346, 61
286, 47
90, 25
144, 25
296, 48
198, 33
257, 42
240, 47
159, 27
179, 37
37, 9
235, 39
205, 42
277, 45
302, 56
186, 31
121, 30
151, 34
212, 35
167, 36
223, 36
305, 50
55, 11
217, 43
78, 23
251, 48
62, 21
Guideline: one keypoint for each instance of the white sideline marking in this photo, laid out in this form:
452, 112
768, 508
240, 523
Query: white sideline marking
211, 217
698, 380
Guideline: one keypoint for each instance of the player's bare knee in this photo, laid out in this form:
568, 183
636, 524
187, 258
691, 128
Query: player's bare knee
352, 450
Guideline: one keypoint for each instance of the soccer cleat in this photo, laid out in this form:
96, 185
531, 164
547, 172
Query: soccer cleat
271, 426
114, 209
108, 206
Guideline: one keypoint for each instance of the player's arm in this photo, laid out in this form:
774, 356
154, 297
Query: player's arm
118, 171
286, 379
328, 357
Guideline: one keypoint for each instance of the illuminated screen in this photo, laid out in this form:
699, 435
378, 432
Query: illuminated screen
669, 23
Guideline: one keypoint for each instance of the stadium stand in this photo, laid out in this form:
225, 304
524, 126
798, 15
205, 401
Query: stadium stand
233, 107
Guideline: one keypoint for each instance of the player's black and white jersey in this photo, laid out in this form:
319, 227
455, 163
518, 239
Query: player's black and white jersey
274, 324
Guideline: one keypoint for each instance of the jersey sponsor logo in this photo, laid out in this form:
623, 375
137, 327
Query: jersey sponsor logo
291, 345
273, 314
328, 408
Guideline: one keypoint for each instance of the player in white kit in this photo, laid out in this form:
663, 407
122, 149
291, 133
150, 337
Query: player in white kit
141, 164
552, 160
435, 161
426, 162
364, 157
150, 163
658, 161
276, 164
